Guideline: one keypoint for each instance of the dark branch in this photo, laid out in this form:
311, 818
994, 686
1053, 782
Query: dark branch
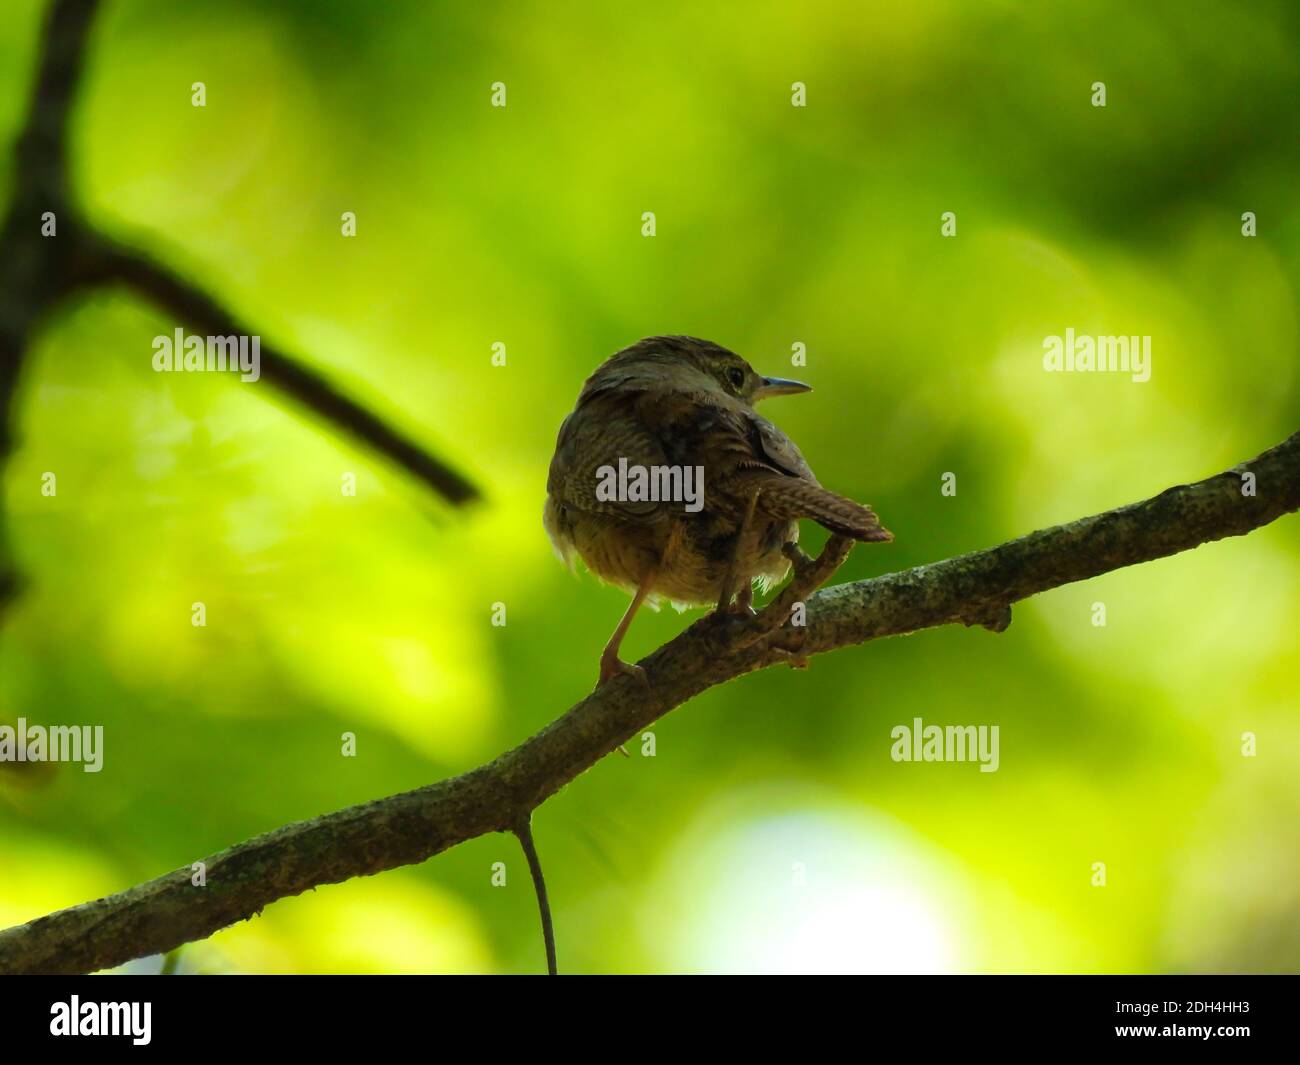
171, 293
38, 270
30, 264
163, 913
42, 148
524, 830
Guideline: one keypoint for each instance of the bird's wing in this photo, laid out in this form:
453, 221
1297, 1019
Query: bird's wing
773, 447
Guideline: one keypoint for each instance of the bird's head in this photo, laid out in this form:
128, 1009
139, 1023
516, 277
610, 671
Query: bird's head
727, 370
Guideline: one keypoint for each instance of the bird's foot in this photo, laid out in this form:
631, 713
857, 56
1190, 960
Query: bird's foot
612, 666
725, 623
737, 608
742, 606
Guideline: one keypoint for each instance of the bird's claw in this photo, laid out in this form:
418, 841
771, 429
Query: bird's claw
612, 666
733, 611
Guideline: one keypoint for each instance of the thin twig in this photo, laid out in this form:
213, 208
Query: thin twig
524, 830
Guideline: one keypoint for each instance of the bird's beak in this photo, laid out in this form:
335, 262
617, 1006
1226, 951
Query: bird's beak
779, 386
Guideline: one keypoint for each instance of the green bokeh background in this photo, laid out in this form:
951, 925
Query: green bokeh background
770, 831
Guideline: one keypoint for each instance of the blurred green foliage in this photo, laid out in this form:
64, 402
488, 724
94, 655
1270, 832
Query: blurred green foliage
771, 830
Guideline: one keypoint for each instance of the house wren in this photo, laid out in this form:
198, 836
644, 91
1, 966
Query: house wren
669, 484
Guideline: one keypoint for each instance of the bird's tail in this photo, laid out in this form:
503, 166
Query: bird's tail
794, 497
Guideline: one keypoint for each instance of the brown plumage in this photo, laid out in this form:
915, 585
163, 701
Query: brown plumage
678, 403
794, 497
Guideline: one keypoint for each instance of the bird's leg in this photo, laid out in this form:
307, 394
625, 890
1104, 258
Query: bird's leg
744, 601
610, 664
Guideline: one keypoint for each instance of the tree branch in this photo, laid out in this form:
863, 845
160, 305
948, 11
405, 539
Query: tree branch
106, 263
403, 829
37, 271
30, 269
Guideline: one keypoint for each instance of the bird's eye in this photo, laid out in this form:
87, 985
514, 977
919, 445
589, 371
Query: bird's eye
737, 376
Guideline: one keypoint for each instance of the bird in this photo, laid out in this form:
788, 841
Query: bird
667, 483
